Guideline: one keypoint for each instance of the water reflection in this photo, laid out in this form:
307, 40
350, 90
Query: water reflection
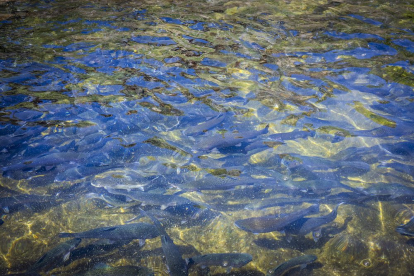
205, 114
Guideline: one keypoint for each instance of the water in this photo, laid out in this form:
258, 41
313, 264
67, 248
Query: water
105, 99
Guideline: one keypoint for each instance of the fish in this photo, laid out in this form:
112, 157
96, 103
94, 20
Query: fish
296, 134
112, 200
301, 261
177, 266
272, 223
315, 186
128, 270
279, 201
153, 199
139, 231
126, 179
229, 260
393, 190
407, 229
97, 248
216, 183
48, 159
203, 127
313, 224
55, 257
18, 202
35, 203
229, 139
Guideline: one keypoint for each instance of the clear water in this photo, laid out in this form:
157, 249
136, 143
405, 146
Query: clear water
107, 94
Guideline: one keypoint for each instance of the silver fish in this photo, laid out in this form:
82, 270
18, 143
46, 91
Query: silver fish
229, 139
273, 222
298, 261
55, 257
118, 232
203, 127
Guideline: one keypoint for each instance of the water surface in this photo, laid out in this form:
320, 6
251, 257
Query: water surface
104, 102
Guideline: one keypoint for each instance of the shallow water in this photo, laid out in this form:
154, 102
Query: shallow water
313, 98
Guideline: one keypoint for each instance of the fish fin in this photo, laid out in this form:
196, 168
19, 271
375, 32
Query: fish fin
106, 229
317, 234
302, 266
394, 196
288, 238
163, 207
228, 270
141, 242
6, 209
134, 218
189, 262
66, 235
66, 257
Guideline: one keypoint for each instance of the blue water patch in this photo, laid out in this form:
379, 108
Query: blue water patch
100, 23
12, 100
352, 36
172, 60
90, 31
19, 78
5, 21
52, 81
4, 87
175, 98
27, 114
194, 39
123, 29
406, 43
75, 69
172, 20
107, 59
67, 22
236, 54
199, 26
163, 40
140, 81
52, 46
299, 90
212, 62
293, 32
199, 92
366, 20
251, 45
375, 49
359, 79
78, 46
273, 67
140, 14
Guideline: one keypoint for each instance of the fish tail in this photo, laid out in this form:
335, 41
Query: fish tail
67, 235
190, 262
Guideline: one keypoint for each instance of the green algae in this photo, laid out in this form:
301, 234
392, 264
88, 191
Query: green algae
373, 117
